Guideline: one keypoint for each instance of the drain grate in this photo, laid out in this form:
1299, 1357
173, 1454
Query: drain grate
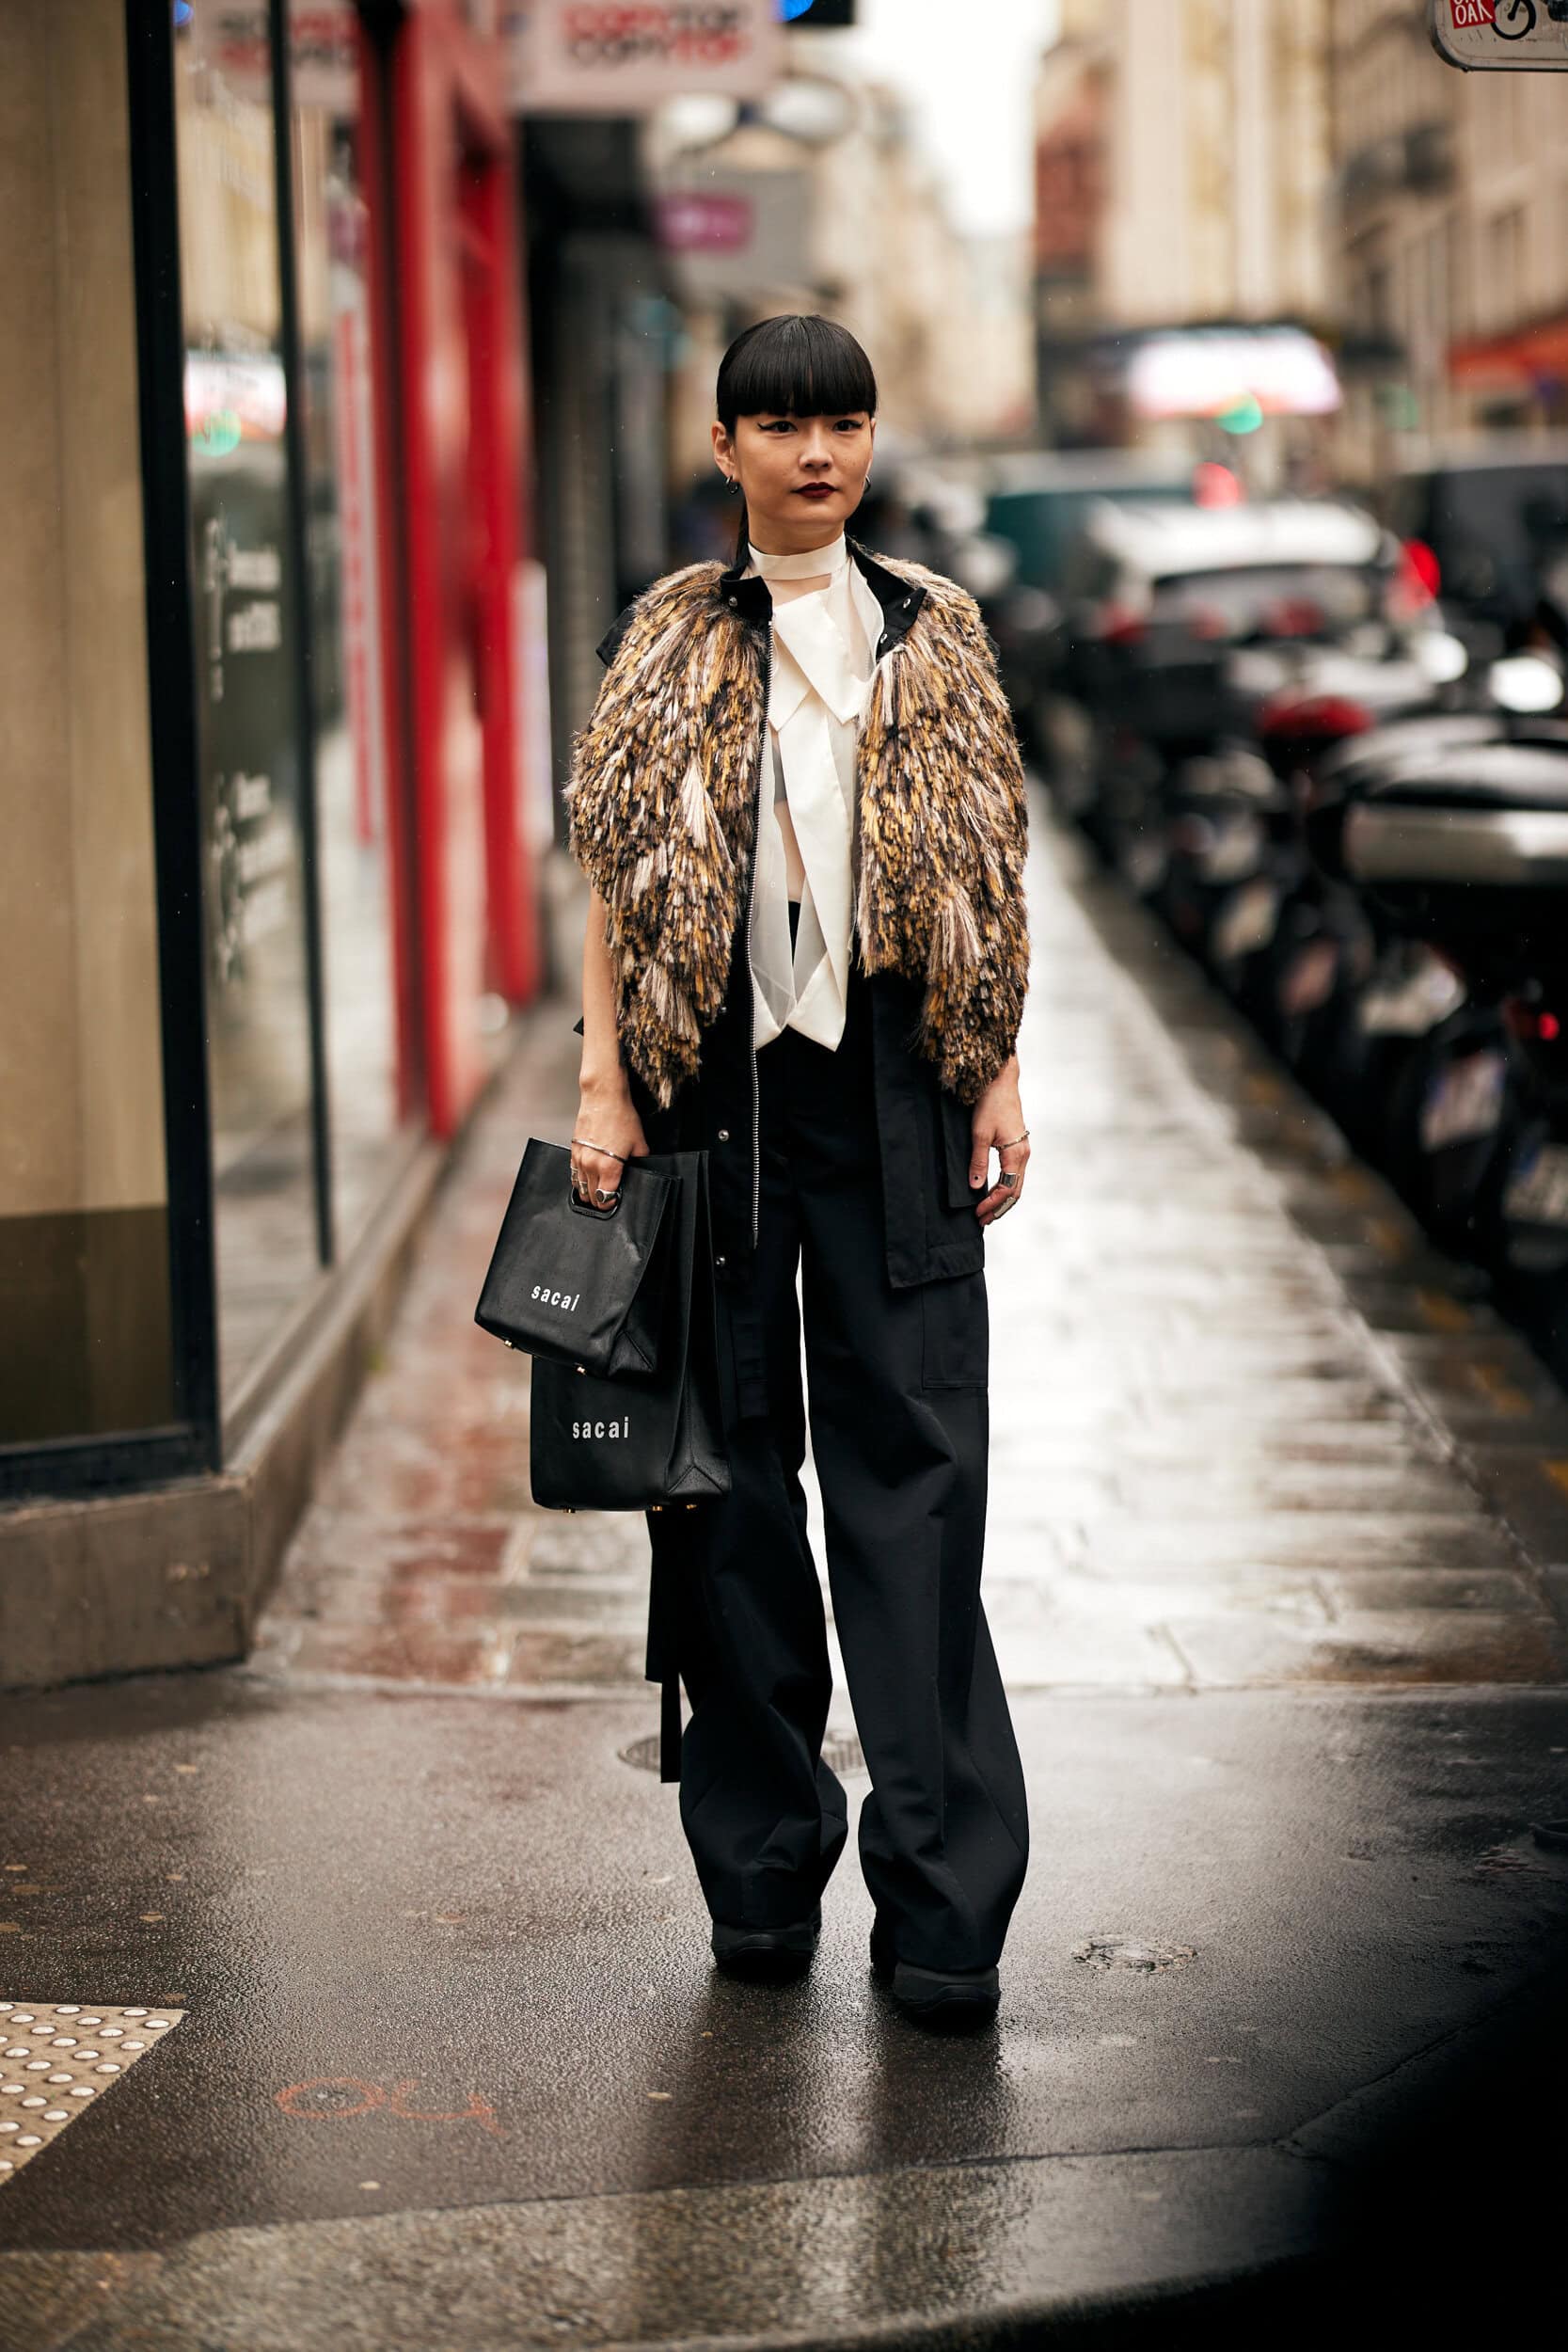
841, 1752
57, 2059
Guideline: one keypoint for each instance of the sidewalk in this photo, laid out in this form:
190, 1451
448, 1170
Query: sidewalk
1277, 1568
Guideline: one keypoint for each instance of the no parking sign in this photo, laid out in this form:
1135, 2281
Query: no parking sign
1501, 35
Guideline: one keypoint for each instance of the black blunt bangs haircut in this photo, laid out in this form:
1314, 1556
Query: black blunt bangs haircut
796, 365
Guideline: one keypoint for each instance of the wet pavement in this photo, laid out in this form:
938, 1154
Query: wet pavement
1277, 1565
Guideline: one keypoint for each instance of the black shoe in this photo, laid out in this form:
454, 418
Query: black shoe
766, 1955
948, 2000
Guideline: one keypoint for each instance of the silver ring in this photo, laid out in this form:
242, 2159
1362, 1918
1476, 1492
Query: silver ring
1009, 1180
601, 1194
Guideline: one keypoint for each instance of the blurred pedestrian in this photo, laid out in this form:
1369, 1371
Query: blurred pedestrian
800, 803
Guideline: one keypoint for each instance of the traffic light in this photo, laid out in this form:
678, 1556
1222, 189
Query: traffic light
816, 12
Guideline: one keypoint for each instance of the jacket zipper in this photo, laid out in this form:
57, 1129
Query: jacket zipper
751, 1002
751, 901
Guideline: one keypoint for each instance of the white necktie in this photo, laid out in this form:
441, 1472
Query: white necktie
819, 683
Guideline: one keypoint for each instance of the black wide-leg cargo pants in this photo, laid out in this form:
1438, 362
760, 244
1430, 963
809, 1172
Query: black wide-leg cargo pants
899, 1429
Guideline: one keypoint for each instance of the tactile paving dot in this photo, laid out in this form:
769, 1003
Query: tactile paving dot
89, 2052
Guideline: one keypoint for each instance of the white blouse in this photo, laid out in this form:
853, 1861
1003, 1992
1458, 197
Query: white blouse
823, 655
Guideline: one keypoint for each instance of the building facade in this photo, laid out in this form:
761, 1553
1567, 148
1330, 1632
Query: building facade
1451, 247
1181, 179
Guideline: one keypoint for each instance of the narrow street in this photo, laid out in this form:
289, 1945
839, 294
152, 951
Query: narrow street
1277, 1569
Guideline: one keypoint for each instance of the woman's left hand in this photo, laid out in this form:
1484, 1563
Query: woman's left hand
999, 1126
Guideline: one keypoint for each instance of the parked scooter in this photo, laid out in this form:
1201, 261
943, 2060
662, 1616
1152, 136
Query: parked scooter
1239, 885
1358, 996
1461, 847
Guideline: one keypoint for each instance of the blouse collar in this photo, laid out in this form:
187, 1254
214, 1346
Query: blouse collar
746, 594
813, 563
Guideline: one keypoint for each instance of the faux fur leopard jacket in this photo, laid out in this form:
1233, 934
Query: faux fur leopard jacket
662, 808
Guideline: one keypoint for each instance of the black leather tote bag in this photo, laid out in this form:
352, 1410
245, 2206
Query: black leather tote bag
580, 1285
635, 1441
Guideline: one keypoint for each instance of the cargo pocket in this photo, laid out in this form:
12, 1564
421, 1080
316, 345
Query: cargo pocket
955, 1335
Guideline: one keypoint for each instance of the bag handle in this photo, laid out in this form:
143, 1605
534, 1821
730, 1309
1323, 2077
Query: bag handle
586, 1208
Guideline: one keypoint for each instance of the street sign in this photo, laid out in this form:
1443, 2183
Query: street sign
1500, 36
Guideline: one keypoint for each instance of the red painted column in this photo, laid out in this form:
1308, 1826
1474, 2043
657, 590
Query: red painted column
451, 317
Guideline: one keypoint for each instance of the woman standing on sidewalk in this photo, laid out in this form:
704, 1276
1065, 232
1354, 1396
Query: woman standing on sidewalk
800, 803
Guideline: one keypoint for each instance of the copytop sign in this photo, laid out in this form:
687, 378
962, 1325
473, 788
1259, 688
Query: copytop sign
606, 57
1501, 35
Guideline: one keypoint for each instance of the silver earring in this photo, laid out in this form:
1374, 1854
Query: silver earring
730, 482
866, 484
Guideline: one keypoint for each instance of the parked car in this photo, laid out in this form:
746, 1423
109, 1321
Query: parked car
1036, 502
1167, 613
1483, 521
1039, 500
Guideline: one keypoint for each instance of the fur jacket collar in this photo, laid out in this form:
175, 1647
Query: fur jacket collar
662, 808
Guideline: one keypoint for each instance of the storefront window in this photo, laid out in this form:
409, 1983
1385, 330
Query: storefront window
85, 1322
254, 842
351, 769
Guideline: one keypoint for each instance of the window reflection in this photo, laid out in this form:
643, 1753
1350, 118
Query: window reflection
252, 834
351, 769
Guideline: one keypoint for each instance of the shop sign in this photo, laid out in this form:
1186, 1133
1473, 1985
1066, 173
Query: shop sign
323, 51
740, 233
1501, 35
1216, 372
607, 56
695, 221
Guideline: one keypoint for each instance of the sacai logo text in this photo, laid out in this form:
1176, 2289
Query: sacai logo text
569, 1299
621, 1428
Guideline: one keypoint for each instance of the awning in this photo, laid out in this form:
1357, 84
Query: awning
1512, 362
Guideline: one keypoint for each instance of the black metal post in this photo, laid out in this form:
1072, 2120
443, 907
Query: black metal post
172, 695
297, 514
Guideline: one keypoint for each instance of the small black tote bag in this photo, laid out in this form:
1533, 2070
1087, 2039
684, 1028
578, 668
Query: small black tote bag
635, 1441
580, 1285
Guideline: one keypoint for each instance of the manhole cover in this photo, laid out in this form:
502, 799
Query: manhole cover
841, 1752
1131, 1951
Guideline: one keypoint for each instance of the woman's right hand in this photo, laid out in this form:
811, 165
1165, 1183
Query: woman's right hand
608, 1120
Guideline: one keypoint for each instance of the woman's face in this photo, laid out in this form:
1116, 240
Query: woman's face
803, 476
